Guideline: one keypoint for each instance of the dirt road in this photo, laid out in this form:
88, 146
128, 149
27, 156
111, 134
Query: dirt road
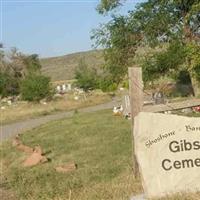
10, 130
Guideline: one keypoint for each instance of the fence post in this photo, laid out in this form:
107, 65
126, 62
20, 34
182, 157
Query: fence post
136, 103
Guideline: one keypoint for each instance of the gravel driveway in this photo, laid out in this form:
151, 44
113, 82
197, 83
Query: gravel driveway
10, 130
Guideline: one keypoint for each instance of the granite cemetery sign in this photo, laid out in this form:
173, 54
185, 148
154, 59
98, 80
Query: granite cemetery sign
167, 148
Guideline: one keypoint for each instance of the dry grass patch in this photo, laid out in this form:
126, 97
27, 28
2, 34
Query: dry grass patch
25, 110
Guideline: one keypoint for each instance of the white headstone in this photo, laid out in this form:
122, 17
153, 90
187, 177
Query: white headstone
63, 87
58, 88
167, 148
69, 87
9, 102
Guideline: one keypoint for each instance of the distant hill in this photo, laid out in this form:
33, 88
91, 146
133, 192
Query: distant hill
63, 67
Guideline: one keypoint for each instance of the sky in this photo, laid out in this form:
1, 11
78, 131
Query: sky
51, 27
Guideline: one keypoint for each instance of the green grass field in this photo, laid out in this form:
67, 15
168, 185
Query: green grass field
100, 147
99, 143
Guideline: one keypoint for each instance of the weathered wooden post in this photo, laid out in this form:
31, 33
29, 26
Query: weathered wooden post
136, 102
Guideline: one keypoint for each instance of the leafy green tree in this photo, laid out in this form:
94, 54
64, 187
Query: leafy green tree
106, 84
107, 5
35, 87
165, 62
16, 66
9, 85
32, 64
22, 73
119, 39
23, 65
174, 22
86, 77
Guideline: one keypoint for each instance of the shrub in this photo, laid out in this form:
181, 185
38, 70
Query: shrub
107, 85
8, 85
86, 77
35, 87
125, 84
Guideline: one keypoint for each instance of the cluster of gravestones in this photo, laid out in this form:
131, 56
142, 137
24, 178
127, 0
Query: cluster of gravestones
8, 101
65, 88
61, 89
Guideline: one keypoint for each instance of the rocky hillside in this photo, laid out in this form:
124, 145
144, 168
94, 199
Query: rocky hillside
63, 67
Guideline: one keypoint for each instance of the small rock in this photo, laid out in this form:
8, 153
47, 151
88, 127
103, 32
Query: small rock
76, 98
187, 110
4, 100
168, 112
24, 148
35, 158
9, 102
18, 144
43, 102
66, 168
16, 141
